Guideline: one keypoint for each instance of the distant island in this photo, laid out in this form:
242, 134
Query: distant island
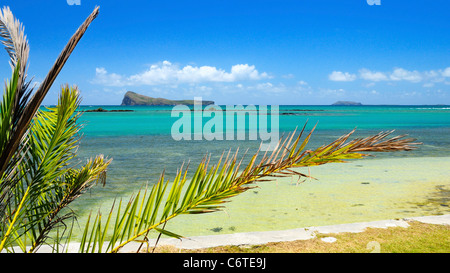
347, 103
132, 98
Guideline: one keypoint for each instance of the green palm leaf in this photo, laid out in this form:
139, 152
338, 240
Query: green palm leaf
37, 146
51, 183
211, 187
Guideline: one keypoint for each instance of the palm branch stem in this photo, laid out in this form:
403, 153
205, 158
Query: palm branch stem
280, 163
33, 105
16, 216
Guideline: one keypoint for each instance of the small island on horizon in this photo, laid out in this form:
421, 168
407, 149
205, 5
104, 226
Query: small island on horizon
133, 98
347, 103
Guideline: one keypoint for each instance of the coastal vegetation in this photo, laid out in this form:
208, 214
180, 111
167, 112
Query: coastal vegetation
40, 177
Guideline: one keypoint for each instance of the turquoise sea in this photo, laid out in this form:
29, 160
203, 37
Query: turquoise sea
390, 185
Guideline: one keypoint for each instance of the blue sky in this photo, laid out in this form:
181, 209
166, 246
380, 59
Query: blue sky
245, 52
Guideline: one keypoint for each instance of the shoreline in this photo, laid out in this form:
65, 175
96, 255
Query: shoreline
361, 194
362, 191
264, 237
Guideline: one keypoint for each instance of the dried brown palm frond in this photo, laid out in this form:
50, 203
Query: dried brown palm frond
374, 143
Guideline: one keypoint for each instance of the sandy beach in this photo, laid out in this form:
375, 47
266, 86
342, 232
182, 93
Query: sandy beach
254, 238
359, 191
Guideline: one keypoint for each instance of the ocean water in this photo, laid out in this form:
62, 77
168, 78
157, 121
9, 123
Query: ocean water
389, 185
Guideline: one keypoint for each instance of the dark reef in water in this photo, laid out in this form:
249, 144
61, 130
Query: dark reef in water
104, 110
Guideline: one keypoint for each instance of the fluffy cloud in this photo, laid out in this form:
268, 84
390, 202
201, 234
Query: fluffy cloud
341, 77
398, 74
105, 78
446, 72
168, 73
372, 76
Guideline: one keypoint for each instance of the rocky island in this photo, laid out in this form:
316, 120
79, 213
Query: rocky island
347, 103
132, 98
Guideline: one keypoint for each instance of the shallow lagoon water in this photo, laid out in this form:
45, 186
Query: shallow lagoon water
358, 191
364, 190
389, 186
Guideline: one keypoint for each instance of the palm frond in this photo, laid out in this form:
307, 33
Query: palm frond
211, 187
14, 40
35, 101
36, 145
7, 108
72, 185
16, 44
50, 182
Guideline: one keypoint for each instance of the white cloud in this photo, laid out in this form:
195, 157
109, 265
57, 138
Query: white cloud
168, 73
331, 93
370, 84
446, 72
108, 79
396, 75
270, 88
400, 74
288, 76
366, 74
341, 77
432, 75
245, 72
